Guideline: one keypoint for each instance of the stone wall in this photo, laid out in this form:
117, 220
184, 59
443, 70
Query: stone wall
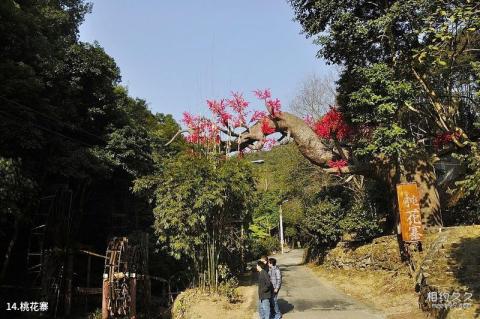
381, 254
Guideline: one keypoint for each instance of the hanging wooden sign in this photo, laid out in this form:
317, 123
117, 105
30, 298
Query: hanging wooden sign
409, 209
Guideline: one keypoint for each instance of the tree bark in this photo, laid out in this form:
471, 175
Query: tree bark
8, 253
309, 144
424, 175
313, 148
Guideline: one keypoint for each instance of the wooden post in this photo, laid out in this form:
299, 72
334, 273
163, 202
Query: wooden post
133, 297
281, 228
242, 253
68, 291
105, 298
89, 266
8, 253
146, 278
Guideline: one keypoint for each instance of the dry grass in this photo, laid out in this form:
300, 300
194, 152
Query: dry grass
390, 293
455, 267
193, 304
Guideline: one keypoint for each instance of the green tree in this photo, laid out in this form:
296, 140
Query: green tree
66, 120
408, 82
201, 205
15, 191
265, 214
321, 208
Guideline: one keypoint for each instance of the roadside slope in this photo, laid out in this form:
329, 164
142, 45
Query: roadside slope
194, 304
449, 263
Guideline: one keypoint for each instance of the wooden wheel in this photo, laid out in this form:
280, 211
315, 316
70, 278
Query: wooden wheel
124, 265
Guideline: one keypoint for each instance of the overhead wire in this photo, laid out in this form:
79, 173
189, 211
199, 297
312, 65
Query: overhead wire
15, 121
57, 120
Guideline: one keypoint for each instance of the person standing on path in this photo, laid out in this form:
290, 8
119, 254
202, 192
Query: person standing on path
276, 279
264, 259
264, 290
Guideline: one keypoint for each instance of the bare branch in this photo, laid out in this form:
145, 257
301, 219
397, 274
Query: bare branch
315, 95
441, 121
228, 132
285, 138
309, 144
340, 150
176, 135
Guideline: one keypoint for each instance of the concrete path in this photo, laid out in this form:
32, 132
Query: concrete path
304, 295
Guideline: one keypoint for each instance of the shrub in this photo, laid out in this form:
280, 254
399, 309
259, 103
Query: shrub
97, 314
361, 222
228, 288
263, 246
464, 212
271, 244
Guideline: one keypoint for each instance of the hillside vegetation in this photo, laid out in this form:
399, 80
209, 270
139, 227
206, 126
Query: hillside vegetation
449, 263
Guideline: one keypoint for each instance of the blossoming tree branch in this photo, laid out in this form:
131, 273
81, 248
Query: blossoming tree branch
233, 127
328, 142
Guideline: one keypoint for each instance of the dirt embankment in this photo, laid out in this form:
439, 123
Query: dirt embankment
448, 263
195, 304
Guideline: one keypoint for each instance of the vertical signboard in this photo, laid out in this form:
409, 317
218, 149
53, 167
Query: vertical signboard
409, 209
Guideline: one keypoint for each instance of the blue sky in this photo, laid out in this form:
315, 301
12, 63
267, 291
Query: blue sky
176, 54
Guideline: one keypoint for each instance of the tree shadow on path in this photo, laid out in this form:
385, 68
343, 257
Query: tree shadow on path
284, 306
466, 270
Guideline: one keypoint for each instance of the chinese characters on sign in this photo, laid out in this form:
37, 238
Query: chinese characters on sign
33, 306
409, 209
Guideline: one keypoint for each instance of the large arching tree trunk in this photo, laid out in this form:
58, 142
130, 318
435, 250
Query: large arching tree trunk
424, 175
309, 144
314, 149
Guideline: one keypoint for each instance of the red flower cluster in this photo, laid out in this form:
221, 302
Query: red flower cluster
238, 105
266, 128
337, 164
219, 109
273, 106
257, 116
202, 130
189, 119
231, 114
444, 138
262, 95
333, 125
